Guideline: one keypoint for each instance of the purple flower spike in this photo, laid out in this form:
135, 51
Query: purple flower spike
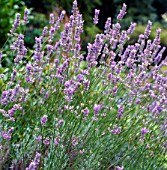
79, 77
7, 135
85, 112
157, 38
122, 12
148, 29
34, 164
131, 28
95, 19
25, 16
96, 109
38, 44
116, 130
75, 8
16, 23
51, 19
107, 25
62, 15
45, 31
120, 111
0, 56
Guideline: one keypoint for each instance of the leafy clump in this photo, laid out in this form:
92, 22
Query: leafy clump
102, 109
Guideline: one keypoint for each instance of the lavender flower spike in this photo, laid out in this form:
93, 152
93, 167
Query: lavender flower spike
62, 15
95, 19
131, 28
122, 12
0, 56
16, 23
45, 31
34, 164
157, 38
51, 19
96, 109
25, 18
75, 9
148, 29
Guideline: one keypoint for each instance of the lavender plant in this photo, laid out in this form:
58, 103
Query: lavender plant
63, 110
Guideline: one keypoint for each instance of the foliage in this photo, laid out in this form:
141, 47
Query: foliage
59, 111
35, 28
7, 14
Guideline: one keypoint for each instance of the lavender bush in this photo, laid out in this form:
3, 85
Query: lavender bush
63, 110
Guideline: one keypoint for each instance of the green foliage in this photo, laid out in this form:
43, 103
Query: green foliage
7, 15
35, 28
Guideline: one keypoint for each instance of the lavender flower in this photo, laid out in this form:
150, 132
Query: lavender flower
158, 58
44, 120
57, 25
120, 111
148, 30
75, 9
96, 109
107, 25
38, 42
46, 141
122, 12
116, 130
85, 112
39, 138
56, 141
25, 18
51, 19
49, 47
34, 164
95, 19
131, 28
0, 56
45, 31
16, 23
62, 15
157, 38
8, 134
19, 46
61, 122
77, 34
13, 78
144, 131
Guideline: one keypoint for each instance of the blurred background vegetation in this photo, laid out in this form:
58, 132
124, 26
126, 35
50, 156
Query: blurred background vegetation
139, 11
